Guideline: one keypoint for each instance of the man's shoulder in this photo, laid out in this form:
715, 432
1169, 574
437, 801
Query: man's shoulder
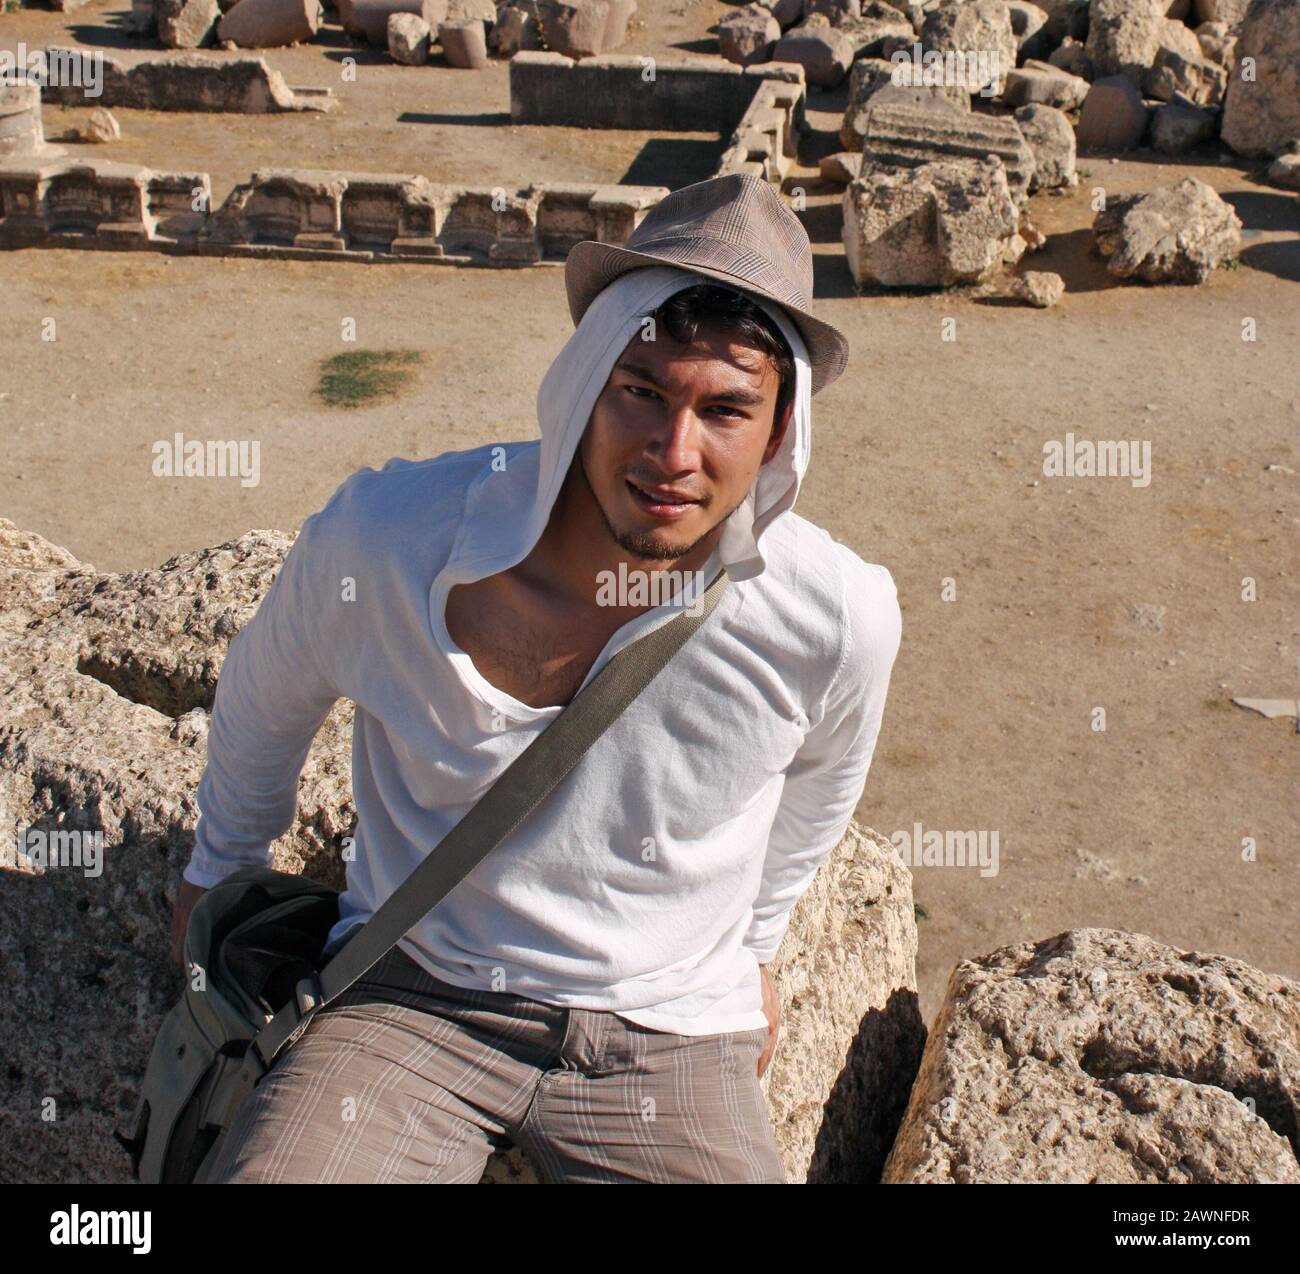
857, 599
404, 501
823, 569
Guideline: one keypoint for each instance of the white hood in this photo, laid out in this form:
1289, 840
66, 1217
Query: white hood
565, 400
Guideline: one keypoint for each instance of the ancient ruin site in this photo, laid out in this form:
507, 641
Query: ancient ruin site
249, 247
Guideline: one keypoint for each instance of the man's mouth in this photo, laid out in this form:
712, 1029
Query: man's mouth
661, 502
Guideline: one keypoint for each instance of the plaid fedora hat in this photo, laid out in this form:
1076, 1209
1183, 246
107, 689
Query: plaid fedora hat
735, 229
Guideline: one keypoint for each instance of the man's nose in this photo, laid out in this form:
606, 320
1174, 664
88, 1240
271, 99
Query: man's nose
676, 443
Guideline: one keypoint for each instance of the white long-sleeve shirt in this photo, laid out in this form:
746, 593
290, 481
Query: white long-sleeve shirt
662, 870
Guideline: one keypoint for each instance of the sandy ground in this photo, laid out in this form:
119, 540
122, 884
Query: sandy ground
1072, 594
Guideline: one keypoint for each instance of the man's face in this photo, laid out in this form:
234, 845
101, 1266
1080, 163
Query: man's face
677, 437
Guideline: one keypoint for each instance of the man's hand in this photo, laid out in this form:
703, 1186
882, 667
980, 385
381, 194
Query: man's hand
772, 1009
185, 900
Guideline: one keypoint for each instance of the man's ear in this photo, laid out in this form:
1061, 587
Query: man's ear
778, 432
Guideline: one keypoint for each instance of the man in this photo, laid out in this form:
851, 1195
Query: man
593, 990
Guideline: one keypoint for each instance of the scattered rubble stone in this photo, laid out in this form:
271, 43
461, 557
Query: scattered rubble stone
1040, 289
1197, 79
583, 28
878, 30
980, 27
409, 38
269, 24
824, 53
1264, 113
1106, 1057
1043, 83
1124, 36
464, 43
1169, 235
1179, 126
102, 126
936, 225
515, 31
1114, 116
872, 81
748, 35
1284, 171
1049, 136
187, 24
907, 136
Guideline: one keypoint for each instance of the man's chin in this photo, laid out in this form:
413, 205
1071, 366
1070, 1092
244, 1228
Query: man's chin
656, 545
660, 543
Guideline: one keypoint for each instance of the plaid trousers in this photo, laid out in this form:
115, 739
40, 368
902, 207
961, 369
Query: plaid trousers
407, 1078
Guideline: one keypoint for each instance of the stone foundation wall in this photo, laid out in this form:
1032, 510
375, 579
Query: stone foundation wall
95, 203
299, 213
180, 82
760, 107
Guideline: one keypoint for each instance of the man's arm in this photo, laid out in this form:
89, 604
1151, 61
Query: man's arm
274, 692
825, 780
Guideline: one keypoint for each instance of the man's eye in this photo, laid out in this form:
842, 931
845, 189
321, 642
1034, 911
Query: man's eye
639, 389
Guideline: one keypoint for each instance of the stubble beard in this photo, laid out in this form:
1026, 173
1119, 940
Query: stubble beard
644, 544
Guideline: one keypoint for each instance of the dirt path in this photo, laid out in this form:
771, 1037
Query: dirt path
927, 457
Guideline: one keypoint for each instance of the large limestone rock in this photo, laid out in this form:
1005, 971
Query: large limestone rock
409, 38
1124, 36
464, 44
1114, 116
1105, 1057
187, 24
908, 136
824, 53
873, 82
1180, 125
583, 28
746, 35
106, 681
979, 27
1173, 235
1199, 79
1263, 113
268, 24
516, 30
1049, 136
1046, 85
878, 30
935, 225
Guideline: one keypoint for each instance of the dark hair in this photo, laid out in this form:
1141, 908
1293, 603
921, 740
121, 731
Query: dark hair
683, 313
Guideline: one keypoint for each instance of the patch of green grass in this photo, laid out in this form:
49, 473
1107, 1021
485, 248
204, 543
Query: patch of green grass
10, 6
919, 912
1232, 263
1085, 174
363, 376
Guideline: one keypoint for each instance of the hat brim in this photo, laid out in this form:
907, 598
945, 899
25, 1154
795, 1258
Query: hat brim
591, 266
